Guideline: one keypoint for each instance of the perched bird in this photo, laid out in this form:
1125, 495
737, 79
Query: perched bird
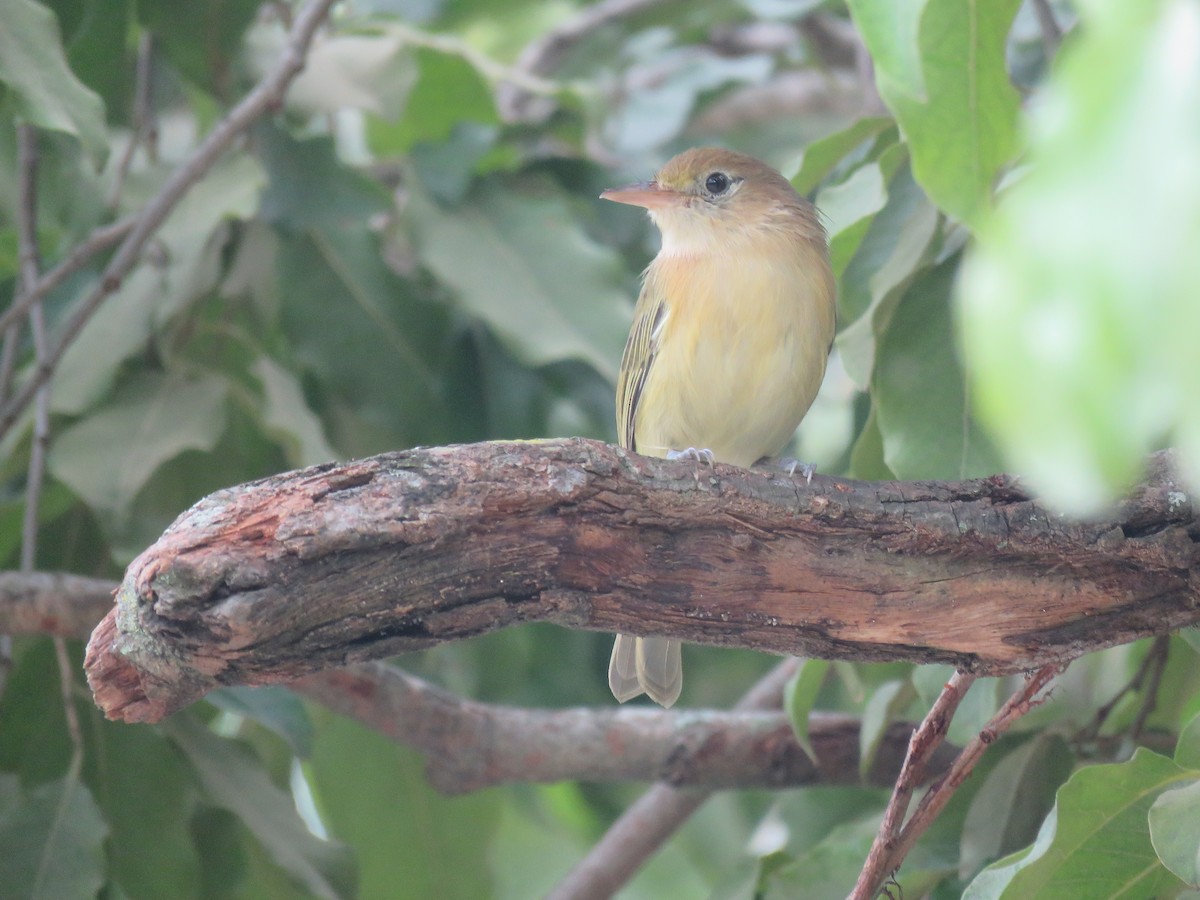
729, 340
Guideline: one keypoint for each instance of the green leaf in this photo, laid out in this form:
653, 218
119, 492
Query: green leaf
404, 833
272, 706
866, 458
33, 742
308, 188
820, 157
108, 457
200, 39
916, 227
44, 89
1095, 842
1175, 831
940, 67
920, 391
518, 260
1015, 797
448, 91
119, 330
886, 703
148, 796
95, 36
658, 112
892, 32
369, 71
235, 780
1078, 304
849, 207
799, 697
1187, 749
828, 870
287, 417
53, 839
376, 347
124, 325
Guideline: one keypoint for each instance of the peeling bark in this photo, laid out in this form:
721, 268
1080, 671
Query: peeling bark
339, 564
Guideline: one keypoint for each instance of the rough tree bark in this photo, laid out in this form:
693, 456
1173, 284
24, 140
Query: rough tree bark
338, 564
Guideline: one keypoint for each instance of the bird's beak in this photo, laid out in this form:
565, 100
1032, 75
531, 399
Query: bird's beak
648, 194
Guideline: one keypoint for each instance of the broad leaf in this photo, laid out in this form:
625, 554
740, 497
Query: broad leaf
446, 92
272, 706
821, 157
1014, 798
886, 703
1187, 749
108, 457
148, 796
1078, 304
44, 89
517, 260
920, 391
234, 780
1095, 840
287, 417
200, 39
940, 67
1175, 831
53, 839
374, 344
402, 830
799, 697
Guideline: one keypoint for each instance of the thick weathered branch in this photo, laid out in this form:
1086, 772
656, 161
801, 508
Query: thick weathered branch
339, 564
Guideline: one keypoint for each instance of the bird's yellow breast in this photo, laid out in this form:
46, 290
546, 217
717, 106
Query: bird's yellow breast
740, 351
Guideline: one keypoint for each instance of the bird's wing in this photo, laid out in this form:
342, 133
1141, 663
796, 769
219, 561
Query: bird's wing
640, 350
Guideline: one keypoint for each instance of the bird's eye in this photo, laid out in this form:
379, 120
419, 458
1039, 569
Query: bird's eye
716, 183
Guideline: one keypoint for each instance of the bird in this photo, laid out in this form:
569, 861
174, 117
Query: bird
730, 338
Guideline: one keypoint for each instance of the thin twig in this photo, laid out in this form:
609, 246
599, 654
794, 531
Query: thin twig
654, 817
143, 117
30, 264
267, 95
1155, 655
99, 240
8, 358
879, 868
1158, 653
928, 736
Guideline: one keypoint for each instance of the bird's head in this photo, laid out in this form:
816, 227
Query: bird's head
708, 199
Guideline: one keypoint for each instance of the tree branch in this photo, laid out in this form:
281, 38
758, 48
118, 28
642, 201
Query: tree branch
339, 564
53, 603
469, 745
894, 842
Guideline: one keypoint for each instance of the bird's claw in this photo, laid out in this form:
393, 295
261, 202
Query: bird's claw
791, 465
705, 456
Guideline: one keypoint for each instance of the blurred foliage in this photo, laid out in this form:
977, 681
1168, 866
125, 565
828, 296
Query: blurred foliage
411, 252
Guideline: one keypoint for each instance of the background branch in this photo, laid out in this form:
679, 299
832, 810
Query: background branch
646, 825
470, 745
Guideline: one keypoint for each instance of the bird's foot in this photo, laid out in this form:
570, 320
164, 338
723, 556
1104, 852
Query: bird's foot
791, 465
705, 456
